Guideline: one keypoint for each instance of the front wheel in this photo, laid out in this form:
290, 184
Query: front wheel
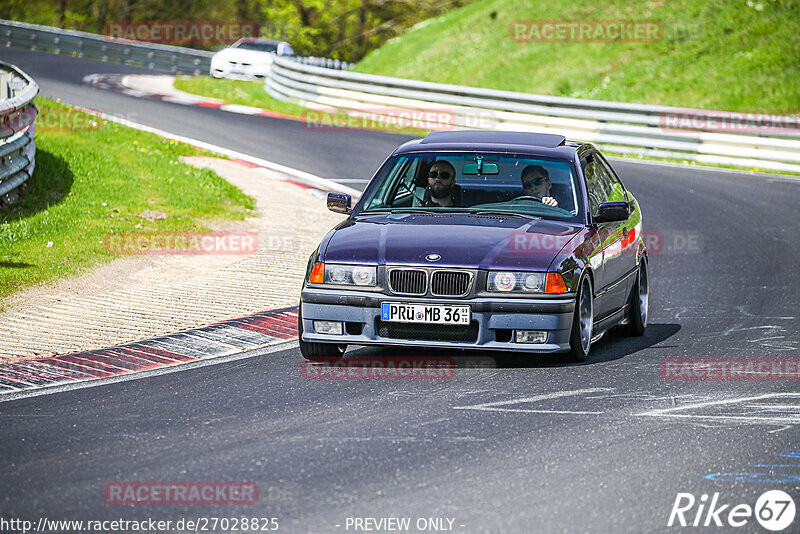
638, 303
580, 340
317, 352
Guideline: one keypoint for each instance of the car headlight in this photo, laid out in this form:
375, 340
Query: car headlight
524, 282
517, 282
348, 275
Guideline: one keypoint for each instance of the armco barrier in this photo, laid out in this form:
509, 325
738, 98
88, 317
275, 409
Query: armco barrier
615, 126
324, 62
17, 147
175, 59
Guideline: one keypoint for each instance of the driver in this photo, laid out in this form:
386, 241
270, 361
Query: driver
536, 182
442, 189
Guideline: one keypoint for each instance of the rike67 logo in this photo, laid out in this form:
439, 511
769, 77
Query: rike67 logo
774, 510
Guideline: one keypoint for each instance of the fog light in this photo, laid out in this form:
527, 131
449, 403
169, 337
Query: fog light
530, 336
333, 328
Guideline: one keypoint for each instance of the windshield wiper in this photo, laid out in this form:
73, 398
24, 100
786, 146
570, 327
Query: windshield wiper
411, 210
504, 214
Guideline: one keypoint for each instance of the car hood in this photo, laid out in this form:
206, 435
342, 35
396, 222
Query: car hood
462, 240
242, 55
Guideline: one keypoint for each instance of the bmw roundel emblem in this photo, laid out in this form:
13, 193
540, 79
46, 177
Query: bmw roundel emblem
433, 257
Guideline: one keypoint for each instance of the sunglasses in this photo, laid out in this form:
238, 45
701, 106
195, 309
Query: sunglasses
444, 175
539, 180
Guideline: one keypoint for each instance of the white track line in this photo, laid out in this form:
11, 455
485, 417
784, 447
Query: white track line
789, 419
496, 406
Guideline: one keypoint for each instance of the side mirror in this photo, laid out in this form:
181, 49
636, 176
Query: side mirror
340, 203
613, 211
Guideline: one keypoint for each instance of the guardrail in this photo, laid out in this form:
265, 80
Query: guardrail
324, 62
18, 126
169, 58
175, 59
615, 126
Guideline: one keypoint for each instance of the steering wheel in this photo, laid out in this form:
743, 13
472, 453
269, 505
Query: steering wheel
528, 197
409, 190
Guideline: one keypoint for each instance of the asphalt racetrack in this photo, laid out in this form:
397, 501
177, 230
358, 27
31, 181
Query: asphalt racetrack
509, 443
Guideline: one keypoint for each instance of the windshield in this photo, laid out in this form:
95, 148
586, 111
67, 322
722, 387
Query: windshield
519, 184
254, 45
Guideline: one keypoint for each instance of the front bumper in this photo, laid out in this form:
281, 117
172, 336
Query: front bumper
224, 69
496, 318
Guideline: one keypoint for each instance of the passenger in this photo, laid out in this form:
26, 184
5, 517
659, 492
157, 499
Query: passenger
442, 189
536, 182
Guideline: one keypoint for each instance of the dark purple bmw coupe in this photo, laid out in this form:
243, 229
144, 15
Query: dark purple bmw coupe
480, 240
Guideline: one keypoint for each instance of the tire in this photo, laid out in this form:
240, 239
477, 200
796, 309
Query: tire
580, 340
318, 352
638, 303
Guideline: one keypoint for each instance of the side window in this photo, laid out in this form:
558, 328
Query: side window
405, 184
388, 185
407, 177
612, 185
595, 182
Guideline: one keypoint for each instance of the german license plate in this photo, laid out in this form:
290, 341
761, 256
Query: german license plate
425, 313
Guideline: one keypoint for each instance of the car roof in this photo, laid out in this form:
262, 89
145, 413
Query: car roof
492, 141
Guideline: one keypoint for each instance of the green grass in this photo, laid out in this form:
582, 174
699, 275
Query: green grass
92, 177
722, 54
246, 93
